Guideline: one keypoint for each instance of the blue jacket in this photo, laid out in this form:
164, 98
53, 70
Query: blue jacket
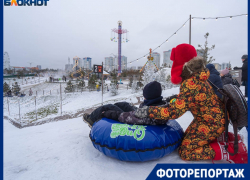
215, 78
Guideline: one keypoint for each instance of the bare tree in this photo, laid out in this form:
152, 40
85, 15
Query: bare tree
204, 51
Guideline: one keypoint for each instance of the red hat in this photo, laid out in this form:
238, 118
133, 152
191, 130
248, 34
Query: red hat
180, 55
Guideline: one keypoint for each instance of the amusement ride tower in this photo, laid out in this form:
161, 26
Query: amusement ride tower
121, 40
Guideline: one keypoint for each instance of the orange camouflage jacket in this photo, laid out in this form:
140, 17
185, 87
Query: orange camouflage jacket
197, 95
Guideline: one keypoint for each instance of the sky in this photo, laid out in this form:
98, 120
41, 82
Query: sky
48, 35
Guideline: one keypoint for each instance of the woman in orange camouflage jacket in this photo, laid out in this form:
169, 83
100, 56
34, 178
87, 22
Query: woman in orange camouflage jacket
201, 139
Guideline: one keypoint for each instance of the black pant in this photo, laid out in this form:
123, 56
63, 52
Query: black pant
246, 94
120, 106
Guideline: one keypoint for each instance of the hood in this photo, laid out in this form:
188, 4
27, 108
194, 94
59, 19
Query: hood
180, 55
212, 69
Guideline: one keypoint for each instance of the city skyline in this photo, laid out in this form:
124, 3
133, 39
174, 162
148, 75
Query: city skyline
110, 62
46, 37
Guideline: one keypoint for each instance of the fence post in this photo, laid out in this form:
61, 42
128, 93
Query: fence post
35, 108
36, 93
19, 111
50, 92
8, 105
57, 91
61, 96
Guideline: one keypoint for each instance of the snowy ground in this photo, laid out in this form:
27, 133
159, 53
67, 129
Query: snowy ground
62, 150
48, 101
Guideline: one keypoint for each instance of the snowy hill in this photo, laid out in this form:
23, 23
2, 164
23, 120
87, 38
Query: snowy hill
62, 150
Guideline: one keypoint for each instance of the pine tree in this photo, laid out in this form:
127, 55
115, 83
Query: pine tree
77, 80
164, 65
16, 88
149, 74
204, 51
230, 67
69, 87
162, 77
114, 77
81, 85
135, 87
140, 81
168, 78
113, 84
6, 87
92, 82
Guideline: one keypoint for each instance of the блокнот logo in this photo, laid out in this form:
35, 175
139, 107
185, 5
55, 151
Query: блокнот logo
25, 2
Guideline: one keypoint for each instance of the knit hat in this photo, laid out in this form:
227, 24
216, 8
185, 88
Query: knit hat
180, 55
224, 71
152, 90
244, 56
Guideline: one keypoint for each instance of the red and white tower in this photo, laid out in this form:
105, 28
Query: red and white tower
119, 31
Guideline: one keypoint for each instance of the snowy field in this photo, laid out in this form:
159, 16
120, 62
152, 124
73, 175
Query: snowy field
62, 150
48, 101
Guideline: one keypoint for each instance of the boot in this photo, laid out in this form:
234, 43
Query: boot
86, 119
231, 137
221, 154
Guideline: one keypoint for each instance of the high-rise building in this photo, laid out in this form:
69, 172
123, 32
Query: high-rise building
109, 64
217, 66
225, 66
68, 67
39, 67
87, 63
123, 63
166, 58
157, 58
6, 61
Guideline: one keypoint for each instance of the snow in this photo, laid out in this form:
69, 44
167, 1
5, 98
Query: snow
48, 97
62, 150
104, 72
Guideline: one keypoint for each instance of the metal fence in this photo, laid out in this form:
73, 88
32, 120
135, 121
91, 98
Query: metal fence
27, 110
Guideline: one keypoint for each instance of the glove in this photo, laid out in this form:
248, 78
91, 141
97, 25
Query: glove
168, 99
142, 112
111, 114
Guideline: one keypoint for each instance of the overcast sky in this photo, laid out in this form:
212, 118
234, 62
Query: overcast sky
48, 35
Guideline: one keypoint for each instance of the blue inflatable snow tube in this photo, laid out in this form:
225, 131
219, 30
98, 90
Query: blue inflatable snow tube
135, 142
